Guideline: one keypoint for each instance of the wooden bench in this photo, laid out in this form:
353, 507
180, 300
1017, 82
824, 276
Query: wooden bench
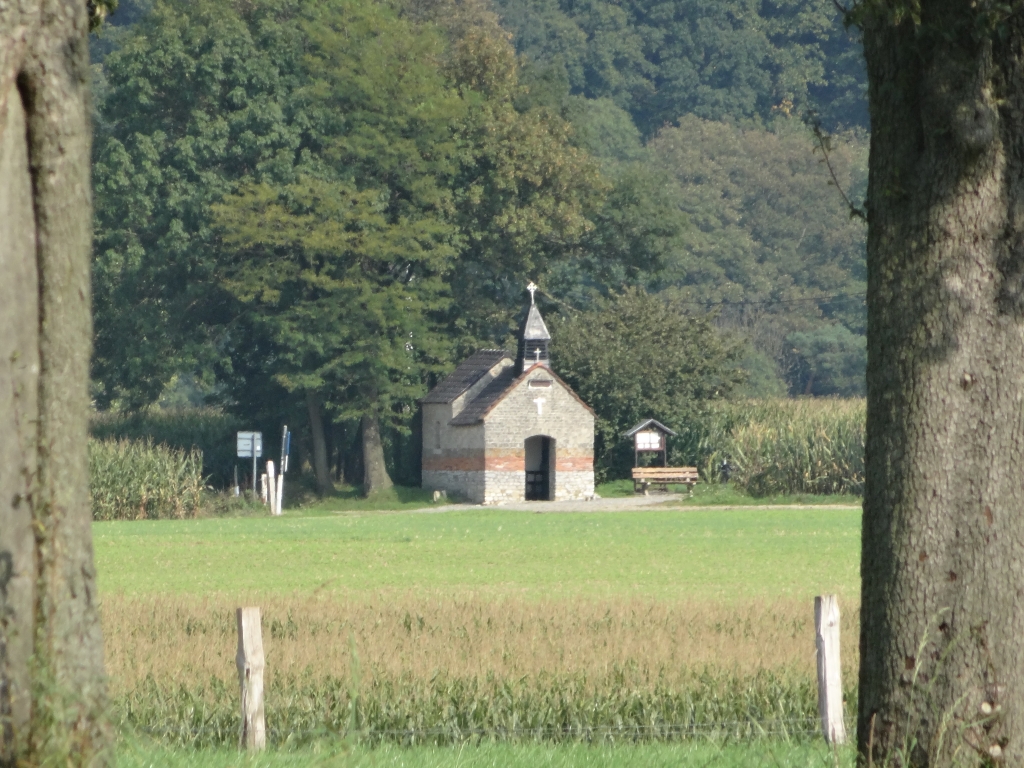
645, 478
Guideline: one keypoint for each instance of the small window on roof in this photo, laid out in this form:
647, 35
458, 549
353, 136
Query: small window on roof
539, 383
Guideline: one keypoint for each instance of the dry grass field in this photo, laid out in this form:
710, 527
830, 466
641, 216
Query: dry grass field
189, 641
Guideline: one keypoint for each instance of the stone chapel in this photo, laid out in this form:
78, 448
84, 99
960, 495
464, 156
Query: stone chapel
500, 429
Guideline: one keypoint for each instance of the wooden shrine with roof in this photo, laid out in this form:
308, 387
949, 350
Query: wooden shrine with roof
651, 436
502, 429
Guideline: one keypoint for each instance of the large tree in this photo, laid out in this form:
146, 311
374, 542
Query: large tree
193, 99
942, 614
52, 689
340, 268
637, 356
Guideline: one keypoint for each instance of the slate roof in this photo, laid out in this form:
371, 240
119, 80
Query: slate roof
466, 375
495, 392
649, 423
533, 327
489, 395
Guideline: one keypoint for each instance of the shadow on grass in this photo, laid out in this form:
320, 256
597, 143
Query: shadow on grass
724, 494
348, 498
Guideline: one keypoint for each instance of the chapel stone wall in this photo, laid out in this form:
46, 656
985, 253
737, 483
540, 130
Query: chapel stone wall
527, 411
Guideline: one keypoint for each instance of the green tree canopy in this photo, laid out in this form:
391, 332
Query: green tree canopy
732, 60
342, 268
770, 238
196, 97
636, 356
830, 361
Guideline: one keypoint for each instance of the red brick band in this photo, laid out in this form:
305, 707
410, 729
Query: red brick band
453, 463
574, 463
504, 463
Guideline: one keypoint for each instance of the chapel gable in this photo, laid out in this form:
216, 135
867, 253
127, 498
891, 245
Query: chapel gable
498, 429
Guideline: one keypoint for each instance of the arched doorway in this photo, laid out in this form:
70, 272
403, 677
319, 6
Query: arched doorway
540, 463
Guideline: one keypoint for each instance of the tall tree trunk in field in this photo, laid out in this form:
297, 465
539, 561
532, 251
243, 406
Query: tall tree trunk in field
52, 690
338, 439
375, 472
942, 608
316, 427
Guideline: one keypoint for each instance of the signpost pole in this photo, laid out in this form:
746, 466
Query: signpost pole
282, 467
248, 445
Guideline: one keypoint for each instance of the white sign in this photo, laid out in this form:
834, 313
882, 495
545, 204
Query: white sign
648, 441
249, 445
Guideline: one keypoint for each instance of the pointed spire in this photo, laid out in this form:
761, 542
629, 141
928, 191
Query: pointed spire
533, 336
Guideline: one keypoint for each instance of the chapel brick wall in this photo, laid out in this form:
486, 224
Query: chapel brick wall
560, 416
453, 457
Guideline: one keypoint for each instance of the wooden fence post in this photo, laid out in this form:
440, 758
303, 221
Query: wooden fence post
250, 679
830, 680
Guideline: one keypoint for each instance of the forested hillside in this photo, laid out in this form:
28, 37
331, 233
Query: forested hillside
308, 211
726, 60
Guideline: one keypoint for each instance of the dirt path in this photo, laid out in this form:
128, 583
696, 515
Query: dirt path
672, 501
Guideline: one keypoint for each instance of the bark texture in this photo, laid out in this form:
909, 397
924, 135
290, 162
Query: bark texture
375, 472
321, 471
52, 690
942, 613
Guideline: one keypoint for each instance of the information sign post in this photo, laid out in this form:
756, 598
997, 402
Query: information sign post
250, 445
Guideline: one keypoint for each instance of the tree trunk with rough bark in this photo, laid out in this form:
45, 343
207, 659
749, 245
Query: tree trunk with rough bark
942, 609
52, 689
321, 471
375, 472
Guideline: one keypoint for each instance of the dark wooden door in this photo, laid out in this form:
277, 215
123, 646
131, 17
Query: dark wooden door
538, 481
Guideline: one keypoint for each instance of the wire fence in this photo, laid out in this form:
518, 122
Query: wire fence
787, 729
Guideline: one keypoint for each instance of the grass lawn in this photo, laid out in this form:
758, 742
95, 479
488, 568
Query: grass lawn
721, 555
694, 755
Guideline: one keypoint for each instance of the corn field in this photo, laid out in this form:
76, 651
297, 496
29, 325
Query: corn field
813, 446
421, 670
208, 429
138, 480
445, 710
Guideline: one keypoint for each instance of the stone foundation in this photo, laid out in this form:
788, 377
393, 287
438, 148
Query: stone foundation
502, 487
465, 484
573, 486
496, 487
505, 487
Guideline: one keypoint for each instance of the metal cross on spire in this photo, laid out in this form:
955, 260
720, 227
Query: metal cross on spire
532, 288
